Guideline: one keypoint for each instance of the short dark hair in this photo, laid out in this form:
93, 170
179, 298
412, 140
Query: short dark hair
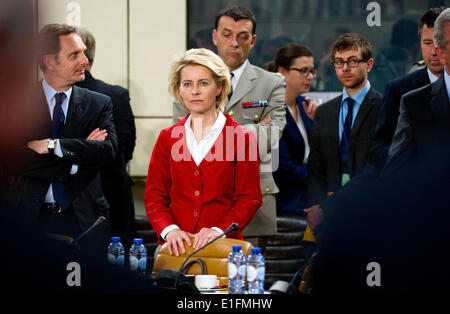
352, 41
237, 12
49, 43
429, 18
286, 55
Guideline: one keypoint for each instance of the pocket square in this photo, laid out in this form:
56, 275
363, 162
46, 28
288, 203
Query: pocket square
256, 103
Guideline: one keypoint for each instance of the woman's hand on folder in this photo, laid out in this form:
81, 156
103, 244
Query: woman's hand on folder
175, 238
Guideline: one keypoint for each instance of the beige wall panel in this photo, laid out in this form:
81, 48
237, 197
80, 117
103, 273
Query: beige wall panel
147, 132
107, 20
157, 34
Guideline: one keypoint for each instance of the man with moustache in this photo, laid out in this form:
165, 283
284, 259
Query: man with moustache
344, 126
255, 102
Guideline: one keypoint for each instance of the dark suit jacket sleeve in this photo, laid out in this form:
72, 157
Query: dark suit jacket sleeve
385, 128
316, 179
289, 170
46, 167
402, 146
89, 152
125, 126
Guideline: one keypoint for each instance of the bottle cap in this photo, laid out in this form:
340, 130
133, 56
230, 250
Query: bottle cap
115, 239
256, 250
137, 241
236, 248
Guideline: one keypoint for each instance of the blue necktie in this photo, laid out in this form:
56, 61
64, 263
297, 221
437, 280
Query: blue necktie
59, 192
345, 139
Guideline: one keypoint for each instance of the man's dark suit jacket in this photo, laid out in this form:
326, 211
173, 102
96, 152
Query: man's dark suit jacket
398, 221
388, 117
291, 175
324, 158
87, 111
423, 125
115, 178
122, 114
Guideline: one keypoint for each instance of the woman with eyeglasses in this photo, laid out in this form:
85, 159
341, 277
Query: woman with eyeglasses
296, 63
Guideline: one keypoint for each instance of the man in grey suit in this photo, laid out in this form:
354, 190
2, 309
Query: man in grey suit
344, 126
256, 102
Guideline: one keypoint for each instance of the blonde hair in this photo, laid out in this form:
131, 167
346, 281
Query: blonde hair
208, 59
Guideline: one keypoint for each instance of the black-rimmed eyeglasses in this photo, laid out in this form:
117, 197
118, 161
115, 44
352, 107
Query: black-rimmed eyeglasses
352, 63
305, 71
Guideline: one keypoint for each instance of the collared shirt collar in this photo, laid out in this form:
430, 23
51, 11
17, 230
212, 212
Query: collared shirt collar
50, 93
433, 78
238, 73
199, 150
359, 96
217, 126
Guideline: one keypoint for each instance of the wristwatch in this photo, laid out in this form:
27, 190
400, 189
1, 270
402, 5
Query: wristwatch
51, 144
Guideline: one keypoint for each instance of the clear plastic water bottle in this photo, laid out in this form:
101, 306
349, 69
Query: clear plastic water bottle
116, 252
236, 271
256, 270
138, 257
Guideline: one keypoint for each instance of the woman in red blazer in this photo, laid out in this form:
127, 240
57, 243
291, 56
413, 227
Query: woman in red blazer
204, 171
